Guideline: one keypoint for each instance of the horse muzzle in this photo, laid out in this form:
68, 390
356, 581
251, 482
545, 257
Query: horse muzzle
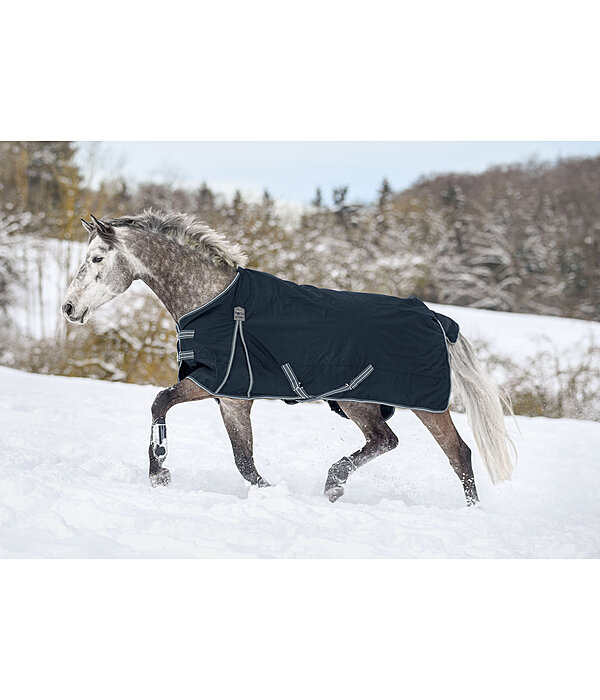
69, 312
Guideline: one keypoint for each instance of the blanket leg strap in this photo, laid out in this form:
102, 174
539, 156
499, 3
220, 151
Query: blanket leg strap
239, 316
242, 318
236, 329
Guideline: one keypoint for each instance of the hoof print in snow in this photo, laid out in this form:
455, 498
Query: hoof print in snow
161, 478
334, 493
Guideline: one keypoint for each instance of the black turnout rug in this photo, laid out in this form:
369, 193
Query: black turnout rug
264, 337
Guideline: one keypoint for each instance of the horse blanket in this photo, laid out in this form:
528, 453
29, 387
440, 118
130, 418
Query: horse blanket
264, 337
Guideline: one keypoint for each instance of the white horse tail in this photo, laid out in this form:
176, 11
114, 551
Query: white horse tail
484, 402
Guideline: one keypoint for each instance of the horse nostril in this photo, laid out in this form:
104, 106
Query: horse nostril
67, 308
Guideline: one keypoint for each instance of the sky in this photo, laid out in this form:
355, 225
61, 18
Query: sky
291, 170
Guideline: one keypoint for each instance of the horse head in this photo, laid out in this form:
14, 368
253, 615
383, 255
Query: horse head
105, 273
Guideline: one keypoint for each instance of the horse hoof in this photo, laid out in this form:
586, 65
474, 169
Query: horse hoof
334, 493
160, 478
262, 483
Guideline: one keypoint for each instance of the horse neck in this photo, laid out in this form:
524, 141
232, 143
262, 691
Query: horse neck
180, 276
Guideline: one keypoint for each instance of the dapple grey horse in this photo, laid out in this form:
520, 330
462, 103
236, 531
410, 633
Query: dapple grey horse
187, 264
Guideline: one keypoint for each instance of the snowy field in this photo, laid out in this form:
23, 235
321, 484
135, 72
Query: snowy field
73, 483
520, 336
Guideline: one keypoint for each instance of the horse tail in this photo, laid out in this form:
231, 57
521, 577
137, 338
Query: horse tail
484, 401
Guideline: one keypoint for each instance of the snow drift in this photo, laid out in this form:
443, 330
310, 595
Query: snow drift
73, 483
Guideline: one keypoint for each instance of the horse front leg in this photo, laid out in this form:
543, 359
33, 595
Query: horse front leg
181, 392
236, 418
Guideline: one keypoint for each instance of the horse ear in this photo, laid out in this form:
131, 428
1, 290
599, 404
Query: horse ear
88, 227
100, 225
105, 231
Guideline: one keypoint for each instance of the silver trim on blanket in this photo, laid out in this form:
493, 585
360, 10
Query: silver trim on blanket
220, 294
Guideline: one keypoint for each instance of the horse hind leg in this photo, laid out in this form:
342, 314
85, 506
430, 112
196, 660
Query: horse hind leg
441, 426
379, 439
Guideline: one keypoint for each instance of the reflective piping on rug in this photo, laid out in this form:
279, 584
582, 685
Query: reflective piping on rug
227, 288
292, 398
446, 341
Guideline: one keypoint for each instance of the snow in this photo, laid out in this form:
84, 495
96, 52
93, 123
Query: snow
73, 483
520, 336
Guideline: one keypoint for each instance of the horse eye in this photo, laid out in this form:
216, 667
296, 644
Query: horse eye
97, 259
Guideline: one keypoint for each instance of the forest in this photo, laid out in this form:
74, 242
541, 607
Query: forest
521, 238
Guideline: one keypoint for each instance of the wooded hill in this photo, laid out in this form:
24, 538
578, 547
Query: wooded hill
521, 238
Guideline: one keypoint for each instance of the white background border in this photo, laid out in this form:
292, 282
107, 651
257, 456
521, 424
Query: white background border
318, 71
326, 70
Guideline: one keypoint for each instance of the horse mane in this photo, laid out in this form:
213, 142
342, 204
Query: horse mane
189, 231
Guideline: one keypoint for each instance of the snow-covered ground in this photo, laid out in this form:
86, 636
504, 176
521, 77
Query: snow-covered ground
520, 336
73, 483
